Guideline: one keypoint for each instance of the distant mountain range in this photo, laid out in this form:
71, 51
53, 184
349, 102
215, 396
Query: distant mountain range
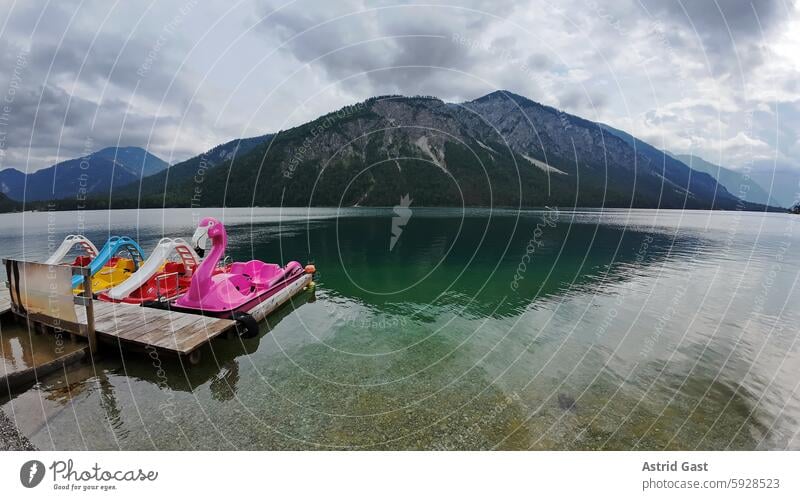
735, 182
98, 174
153, 188
783, 185
499, 150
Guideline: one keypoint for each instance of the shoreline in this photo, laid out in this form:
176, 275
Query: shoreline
767, 210
11, 439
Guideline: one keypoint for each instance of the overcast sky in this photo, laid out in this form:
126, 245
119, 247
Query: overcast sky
717, 79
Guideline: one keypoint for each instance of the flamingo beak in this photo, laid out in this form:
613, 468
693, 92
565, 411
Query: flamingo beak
200, 239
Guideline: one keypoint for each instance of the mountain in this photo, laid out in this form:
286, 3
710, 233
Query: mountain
734, 182
783, 185
677, 173
98, 174
153, 187
499, 150
12, 182
138, 160
8, 205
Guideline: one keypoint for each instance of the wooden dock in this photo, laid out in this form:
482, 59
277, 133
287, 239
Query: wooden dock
171, 331
131, 325
176, 332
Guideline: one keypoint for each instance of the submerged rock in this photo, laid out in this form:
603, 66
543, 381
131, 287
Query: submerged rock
566, 402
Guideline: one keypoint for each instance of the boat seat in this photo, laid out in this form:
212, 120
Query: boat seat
268, 275
175, 267
259, 273
82, 260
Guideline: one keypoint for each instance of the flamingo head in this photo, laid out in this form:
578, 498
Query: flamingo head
209, 227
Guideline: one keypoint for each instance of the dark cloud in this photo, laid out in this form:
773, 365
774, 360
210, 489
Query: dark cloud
540, 62
723, 18
108, 59
52, 124
731, 31
399, 49
77, 87
578, 100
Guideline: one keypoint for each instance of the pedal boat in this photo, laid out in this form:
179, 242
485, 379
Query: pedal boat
238, 290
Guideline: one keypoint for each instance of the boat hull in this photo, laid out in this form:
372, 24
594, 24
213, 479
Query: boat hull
258, 307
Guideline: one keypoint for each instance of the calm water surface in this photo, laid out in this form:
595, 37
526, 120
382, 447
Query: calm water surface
475, 330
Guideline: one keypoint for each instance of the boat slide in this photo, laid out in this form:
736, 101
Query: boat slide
69, 242
113, 246
153, 265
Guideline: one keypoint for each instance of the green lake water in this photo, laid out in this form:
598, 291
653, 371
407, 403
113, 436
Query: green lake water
475, 329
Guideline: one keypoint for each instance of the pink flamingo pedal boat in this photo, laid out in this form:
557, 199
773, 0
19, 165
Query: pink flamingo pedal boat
246, 291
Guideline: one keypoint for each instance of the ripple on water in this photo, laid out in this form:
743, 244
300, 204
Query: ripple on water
623, 330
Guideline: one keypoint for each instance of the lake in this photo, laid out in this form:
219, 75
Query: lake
458, 329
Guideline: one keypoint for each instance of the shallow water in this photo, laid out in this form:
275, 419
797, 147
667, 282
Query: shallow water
22, 348
475, 330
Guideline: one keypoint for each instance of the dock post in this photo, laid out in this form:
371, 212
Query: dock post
91, 335
87, 301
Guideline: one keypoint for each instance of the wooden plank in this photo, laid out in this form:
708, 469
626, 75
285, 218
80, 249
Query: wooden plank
66, 326
102, 309
164, 326
102, 313
110, 324
197, 324
134, 328
188, 339
134, 335
168, 330
122, 326
125, 319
